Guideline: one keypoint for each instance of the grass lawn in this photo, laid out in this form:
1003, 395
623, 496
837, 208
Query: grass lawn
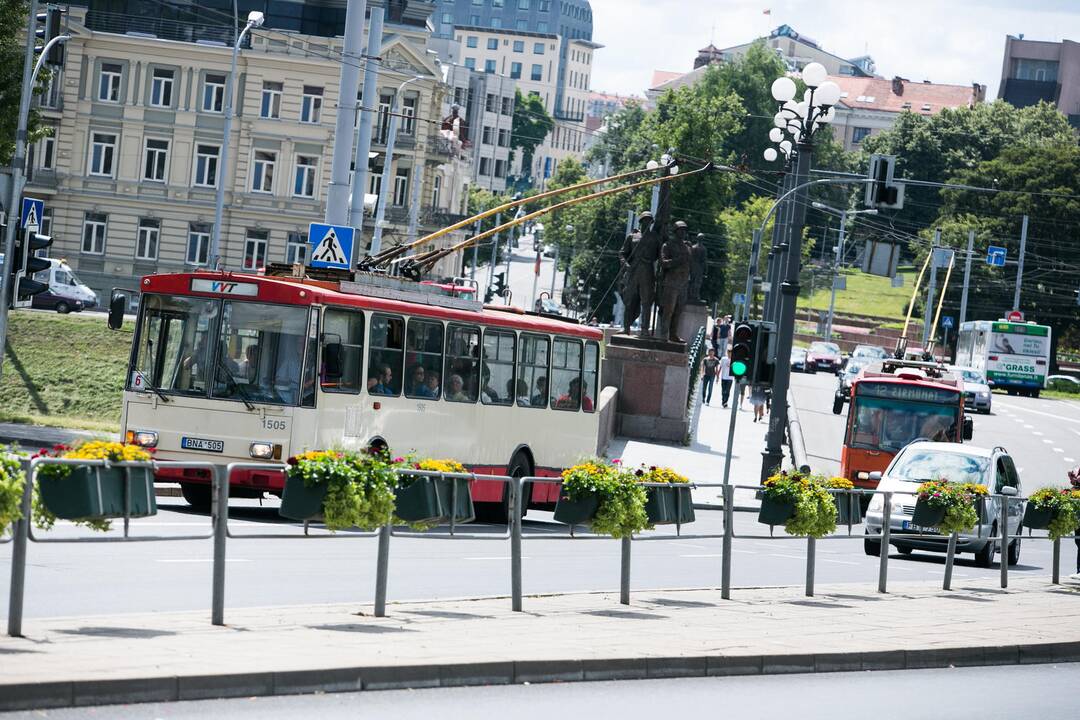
868, 295
64, 370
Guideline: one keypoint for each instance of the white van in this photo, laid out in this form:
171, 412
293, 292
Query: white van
66, 293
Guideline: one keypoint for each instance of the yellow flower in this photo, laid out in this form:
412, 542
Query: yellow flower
444, 466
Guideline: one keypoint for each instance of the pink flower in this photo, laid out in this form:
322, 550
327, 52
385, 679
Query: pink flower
616, 461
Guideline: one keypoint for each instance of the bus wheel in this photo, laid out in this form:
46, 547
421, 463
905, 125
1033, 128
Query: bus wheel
499, 512
872, 547
197, 495
1035, 394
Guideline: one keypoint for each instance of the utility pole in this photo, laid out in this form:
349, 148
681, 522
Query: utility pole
386, 187
475, 251
337, 193
967, 279
755, 253
836, 275
18, 178
554, 270
495, 252
931, 289
364, 125
1020, 264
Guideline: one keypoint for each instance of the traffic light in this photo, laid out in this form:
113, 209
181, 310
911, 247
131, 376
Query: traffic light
23, 284
48, 27
742, 350
500, 284
764, 351
884, 193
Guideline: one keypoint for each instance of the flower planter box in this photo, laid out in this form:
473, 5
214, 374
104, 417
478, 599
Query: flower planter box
427, 499
669, 506
576, 511
848, 509
775, 512
98, 493
1036, 518
300, 501
926, 515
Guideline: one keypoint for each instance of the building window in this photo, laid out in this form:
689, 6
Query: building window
436, 190
255, 249
408, 110
401, 187
508, 106
206, 165
93, 236
296, 248
47, 154
470, 63
504, 137
500, 168
859, 134
515, 71
198, 244
383, 129
523, 4
496, 23
497, 3
541, 27
537, 72
304, 182
146, 242
1037, 70
271, 101
53, 88
311, 105
109, 82
102, 154
262, 176
213, 93
485, 166
489, 66
474, 20
447, 19
472, 41
161, 88
538, 48
485, 136
490, 104
493, 44
46, 229
521, 24
519, 46
155, 157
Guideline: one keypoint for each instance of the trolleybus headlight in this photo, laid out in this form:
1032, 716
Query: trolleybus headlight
264, 450
142, 438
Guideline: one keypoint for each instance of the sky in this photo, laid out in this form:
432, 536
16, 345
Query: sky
945, 41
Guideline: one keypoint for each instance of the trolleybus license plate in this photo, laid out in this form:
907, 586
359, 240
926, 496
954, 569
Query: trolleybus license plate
190, 443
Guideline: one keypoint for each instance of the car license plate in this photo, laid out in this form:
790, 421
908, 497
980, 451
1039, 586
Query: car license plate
907, 525
190, 443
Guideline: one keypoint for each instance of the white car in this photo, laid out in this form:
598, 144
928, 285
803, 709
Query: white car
921, 461
977, 395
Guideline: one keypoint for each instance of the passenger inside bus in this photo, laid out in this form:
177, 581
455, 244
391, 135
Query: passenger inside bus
456, 390
540, 399
431, 381
572, 400
385, 384
522, 391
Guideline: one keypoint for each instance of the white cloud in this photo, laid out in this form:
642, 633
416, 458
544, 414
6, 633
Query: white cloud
944, 41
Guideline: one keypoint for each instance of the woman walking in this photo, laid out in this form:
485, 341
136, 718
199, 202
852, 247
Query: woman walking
709, 370
757, 401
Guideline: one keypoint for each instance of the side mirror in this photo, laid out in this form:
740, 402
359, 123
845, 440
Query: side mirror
875, 476
116, 311
969, 428
1009, 490
333, 361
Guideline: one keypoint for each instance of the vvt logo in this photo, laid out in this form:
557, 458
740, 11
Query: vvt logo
222, 287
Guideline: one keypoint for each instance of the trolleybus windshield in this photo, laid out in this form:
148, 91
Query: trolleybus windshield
890, 424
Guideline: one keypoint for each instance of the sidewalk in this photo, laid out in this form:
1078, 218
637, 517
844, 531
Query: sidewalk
703, 460
169, 656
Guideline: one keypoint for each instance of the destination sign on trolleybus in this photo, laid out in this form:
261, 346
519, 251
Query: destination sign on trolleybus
913, 393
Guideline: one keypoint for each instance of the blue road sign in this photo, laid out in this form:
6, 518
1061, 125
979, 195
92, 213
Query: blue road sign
331, 245
31, 212
995, 256
738, 299
947, 322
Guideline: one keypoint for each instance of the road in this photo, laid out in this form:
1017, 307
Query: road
993, 693
1042, 435
522, 273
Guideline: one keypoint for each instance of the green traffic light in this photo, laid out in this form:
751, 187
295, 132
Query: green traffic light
738, 368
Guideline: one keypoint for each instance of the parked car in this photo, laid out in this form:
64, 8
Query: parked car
921, 461
798, 361
1065, 383
824, 356
977, 394
843, 382
66, 292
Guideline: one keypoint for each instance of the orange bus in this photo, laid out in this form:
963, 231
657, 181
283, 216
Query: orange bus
894, 403
236, 367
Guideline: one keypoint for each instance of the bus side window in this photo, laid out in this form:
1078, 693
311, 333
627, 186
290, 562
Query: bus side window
423, 359
499, 386
566, 374
533, 371
311, 359
387, 345
342, 351
591, 377
461, 379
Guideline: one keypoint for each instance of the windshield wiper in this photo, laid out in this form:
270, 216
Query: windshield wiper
157, 391
233, 385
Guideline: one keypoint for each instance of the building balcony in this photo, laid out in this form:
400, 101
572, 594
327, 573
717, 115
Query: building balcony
1022, 93
570, 116
439, 217
162, 28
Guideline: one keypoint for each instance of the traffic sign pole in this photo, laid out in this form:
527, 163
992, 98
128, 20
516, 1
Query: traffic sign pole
1020, 265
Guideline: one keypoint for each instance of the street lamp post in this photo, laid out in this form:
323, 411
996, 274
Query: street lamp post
839, 254
387, 178
255, 19
798, 123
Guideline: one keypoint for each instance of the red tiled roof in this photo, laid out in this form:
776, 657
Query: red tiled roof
659, 77
879, 94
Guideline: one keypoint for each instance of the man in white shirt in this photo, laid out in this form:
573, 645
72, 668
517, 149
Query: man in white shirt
725, 378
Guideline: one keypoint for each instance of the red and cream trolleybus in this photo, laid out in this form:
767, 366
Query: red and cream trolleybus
236, 367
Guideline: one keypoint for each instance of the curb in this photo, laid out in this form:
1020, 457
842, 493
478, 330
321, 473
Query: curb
33, 696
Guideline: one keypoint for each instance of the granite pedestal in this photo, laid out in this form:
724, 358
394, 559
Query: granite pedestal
653, 382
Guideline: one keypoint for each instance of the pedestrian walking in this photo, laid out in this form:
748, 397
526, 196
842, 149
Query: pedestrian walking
1074, 481
709, 371
757, 401
725, 379
722, 334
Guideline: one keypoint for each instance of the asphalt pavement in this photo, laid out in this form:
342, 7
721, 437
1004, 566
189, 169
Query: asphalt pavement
982, 693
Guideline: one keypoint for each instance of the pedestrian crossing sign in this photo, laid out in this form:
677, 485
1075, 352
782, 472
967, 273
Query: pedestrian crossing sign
330, 245
32, 210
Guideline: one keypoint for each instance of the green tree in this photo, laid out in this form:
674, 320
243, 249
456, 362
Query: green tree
531, 124
12, 48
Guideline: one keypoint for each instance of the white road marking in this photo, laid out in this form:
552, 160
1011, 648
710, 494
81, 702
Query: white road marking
712, 555
1048, 441
1036, 433
793, 557
507, 557
689, 545
1029, 427
196, 560
1069, 460
1058, 450
1052, 415
840, 562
